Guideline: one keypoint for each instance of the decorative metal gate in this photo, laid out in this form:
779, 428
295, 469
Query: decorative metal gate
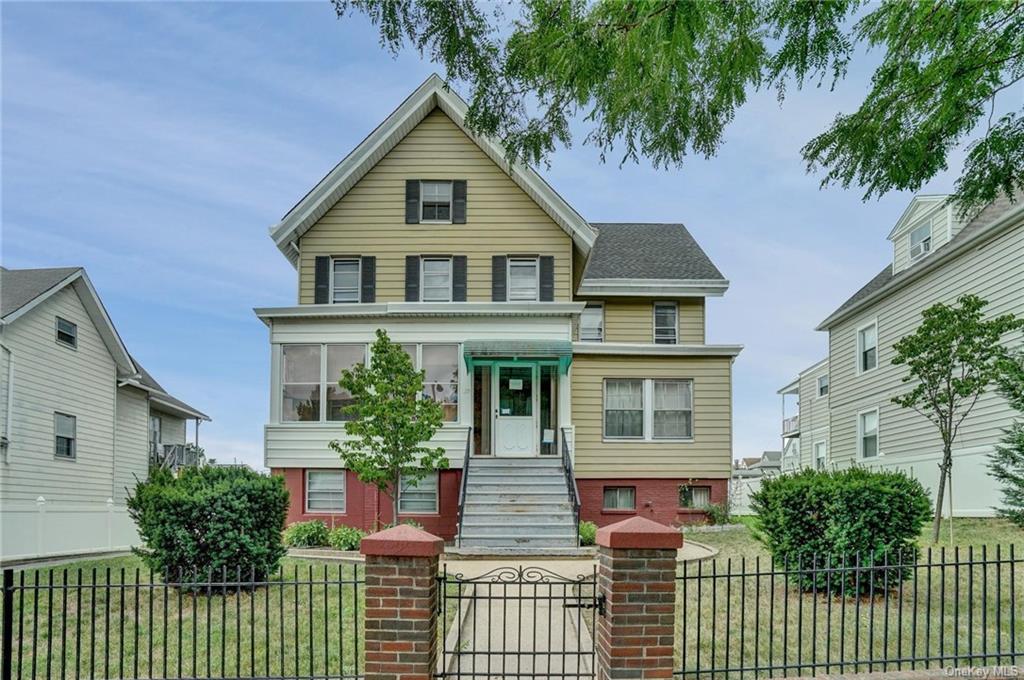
518, 622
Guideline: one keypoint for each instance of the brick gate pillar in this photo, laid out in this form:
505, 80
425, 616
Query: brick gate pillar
401, 597
636, 573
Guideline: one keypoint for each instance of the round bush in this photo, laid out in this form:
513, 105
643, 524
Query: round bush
210, 522
588, 533
311, 534
842, 519
345, 538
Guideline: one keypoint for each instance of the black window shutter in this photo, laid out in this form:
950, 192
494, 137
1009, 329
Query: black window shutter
547, 278
459, 278
412, 201
459, 201
368, 292
412, 278
499, 273
322, 279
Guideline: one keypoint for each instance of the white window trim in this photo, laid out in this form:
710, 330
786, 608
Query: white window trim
451, 200
817, 385
508, 278
648, 411
56, 332
814, 453
878, 434
322, 420
593, 305
437, 498
910, 241
359, 279
344, 492
451, 277
654, 322
859, 350
74, 439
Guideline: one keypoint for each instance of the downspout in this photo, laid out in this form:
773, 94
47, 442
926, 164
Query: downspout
5, 441
113, 443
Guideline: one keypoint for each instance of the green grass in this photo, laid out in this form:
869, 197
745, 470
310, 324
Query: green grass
941, 613
298, 625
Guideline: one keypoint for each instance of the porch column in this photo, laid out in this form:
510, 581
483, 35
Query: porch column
636, 573
401, 597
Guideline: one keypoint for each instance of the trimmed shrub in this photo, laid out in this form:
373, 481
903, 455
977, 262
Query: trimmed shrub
588, 533
210, 522
311, 534
345, 538
841, 519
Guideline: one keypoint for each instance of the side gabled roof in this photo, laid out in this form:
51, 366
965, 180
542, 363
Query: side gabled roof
21, 290
433, 93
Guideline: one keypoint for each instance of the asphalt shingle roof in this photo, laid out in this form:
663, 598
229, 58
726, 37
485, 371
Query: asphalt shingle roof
884, 278
647, 251
18, 287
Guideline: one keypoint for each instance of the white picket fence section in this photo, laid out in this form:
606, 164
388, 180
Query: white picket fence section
45, 529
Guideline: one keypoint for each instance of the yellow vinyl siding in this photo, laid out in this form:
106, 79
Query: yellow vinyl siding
709, 455
632, 320
501, 218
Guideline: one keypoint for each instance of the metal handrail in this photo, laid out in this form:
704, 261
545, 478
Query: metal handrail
462, 484
570, 483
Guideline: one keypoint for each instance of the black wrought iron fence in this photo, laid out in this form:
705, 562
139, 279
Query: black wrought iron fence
302, 622
761, 618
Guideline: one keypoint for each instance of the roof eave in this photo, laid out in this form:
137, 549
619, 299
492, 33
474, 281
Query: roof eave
651, 349
654, 287
419, 309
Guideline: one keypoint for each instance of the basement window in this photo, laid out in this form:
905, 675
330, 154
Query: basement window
620, 498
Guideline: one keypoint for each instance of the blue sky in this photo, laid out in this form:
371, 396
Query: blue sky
155, 143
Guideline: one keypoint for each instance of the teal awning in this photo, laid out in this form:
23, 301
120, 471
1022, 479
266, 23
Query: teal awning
486, 352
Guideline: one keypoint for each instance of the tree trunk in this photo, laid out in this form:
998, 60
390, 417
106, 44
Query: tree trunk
394, 499
945, 470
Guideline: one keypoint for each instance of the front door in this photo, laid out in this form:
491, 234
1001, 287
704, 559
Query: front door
515, 411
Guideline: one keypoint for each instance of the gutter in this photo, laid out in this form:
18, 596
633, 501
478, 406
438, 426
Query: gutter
651, 349
418, 309
914, 273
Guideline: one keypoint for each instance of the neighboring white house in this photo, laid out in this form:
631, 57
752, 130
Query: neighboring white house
746, 479
845, 410
80, 419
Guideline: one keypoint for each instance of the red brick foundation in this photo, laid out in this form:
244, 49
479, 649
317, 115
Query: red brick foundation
636, 573
401, 592
656, 499
369, 509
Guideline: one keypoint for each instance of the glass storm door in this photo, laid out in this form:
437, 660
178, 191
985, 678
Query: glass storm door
515, 409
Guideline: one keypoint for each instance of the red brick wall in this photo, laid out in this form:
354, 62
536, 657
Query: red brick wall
656, 499
364, 504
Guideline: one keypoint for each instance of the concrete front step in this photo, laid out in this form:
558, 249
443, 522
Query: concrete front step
497, 515
517, 488
518, 541
502, 499
516, 480
540, 529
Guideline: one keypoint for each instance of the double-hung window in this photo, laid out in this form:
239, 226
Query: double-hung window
592, 322
345, 279
698, 497
440, 366
309, 381
822, 385
435, 201
523, 278
867, 347
648, 409
666, 323
619, 498
624, 409
64, 439
867, 434
436, 284
921, 241
820, 455
67, 332
420, 496
325, 491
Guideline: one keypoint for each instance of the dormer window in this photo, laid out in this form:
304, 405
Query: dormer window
435, 201
921, 241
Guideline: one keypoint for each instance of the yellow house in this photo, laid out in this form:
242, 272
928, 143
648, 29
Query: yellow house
569, 356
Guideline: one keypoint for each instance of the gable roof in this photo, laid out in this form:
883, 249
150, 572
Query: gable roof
630, 258
999, 214
925, 202
21, 290
433, 93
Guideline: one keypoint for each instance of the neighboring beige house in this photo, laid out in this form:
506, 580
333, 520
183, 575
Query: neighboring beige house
80, 419
936, 258
550, 341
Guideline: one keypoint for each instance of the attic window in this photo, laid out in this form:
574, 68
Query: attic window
67, 333
921, 241
435, 201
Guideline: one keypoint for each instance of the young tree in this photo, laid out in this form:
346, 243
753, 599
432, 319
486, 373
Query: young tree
1006, 463
663, 78
390, 423
953, 357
